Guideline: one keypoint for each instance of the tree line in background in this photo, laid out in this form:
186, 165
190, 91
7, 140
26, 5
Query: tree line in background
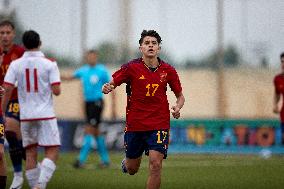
232, 58
113, 54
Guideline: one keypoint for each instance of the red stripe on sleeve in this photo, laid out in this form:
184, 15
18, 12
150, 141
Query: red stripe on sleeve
7, 83
56, 83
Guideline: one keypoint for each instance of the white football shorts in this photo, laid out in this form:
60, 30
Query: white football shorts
42, 133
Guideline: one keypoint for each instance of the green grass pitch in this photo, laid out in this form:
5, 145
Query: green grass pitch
179, 172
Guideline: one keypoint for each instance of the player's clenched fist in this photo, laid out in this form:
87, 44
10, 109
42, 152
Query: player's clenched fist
107, 88
176, 112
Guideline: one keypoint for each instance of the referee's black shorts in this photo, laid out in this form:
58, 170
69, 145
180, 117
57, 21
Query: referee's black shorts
94, 111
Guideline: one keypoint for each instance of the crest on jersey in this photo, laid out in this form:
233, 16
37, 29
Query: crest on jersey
142, 77
163, 77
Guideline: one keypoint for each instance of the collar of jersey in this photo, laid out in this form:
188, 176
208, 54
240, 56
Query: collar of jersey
33, 53
159, 60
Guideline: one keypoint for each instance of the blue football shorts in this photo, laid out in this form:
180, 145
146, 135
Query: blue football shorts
13, 109
137, 142
282, 128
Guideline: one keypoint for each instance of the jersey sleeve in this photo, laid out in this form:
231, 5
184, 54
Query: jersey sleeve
10, 77
54, 76
121, 75
174, 81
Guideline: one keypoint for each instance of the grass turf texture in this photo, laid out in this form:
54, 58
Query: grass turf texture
179, 172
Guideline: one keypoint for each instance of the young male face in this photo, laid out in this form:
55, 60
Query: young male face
91, 58
150, 47
7, 35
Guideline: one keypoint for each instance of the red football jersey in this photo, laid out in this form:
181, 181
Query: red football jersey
279, 89
15, 52
147, 103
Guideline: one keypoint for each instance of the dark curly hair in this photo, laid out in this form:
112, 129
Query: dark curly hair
31, 39
151, 33
282, 55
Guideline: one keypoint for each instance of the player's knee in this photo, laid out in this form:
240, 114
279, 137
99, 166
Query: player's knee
132, 170
13, 142
96, 132
2, 155
155, 166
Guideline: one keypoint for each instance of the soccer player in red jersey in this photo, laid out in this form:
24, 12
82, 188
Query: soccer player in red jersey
9, 52
278, 92
147, 111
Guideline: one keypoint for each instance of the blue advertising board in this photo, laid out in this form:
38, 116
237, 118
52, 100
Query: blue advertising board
225, 136
241, 136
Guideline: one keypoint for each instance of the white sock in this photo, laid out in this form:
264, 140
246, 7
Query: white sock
47, 169
32, 176
18, 174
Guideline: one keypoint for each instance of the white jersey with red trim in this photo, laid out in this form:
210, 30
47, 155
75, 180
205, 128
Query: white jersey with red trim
34, 75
